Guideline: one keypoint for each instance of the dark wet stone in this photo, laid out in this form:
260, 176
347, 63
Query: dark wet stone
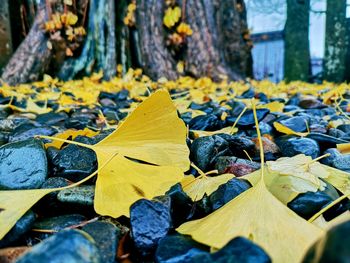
186, 117
237, 166
317, 128
8, 125
309, 203
4, 138
107, 102
79, 122
237, 107
22, 226
325, 141
333, 247
26, 131
52, 118
150, 221
263, 127
289, 108
297, 124
334, 153
67, 246
342, 162
208, 122
82, 195
181, 205
294, 100
49, 204
238, 249
345, 128
177, 248
74, 162
106, 236
250, 93
268, 146
14, 174
336, 133
205, 150
239, 144
58, 223
226, 192
247, 118
311, 103
291, 146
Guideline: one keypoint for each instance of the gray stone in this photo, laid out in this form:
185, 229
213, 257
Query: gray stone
23, 165
82, 195
71, 246
106, 236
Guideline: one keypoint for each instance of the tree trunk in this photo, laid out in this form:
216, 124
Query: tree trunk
32, 57
5, 34
219, 46
336, 41
297, 50
156, 61
99, 50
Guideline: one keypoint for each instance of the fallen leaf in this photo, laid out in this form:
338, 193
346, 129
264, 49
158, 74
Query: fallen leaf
259, 216
272, 106
196, 188
284, 129
31, 107
151, 156
70, 134
344, 148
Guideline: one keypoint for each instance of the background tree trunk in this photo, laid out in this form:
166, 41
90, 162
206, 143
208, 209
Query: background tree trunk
336, 41
5, 34
297, 50
220, 44
32, 57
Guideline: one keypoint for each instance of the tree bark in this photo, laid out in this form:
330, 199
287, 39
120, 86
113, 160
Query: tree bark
5, 34
218, 48
297, 50
157, 61
336, 41
32, 58
99, 49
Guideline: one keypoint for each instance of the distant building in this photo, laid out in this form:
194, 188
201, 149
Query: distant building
268, 57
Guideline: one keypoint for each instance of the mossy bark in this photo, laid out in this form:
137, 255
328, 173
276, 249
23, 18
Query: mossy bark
336, 41
297, 49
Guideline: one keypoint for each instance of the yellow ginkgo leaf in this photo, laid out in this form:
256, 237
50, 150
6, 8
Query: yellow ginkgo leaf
31, 107
196, 188
272, 106
122, 182
15, 203
284, 129
227, 130
154, 137
339, 179
300, 166
344, 148
72, 134
172, 16
257, 215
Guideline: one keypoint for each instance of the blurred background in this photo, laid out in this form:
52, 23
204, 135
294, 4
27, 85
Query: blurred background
278, 40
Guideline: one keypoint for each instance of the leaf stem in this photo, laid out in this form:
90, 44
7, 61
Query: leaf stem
314, 217
91, 147
262, 157
86, 178
237, 120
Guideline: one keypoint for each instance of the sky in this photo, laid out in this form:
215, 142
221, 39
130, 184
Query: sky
260, 21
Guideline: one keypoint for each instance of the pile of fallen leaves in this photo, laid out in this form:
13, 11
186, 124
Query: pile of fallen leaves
148, 147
